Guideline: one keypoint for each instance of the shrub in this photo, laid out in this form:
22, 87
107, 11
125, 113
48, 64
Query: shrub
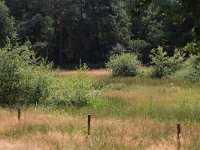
190, 69
81, 88
191, 48
38, 84
123, 65
162, 64
77, 89
24, 79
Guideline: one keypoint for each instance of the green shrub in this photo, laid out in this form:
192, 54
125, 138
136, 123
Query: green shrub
123, 64
38, 84
24, 79
77, 89
81, 88
162, 64
191, 48
190, 69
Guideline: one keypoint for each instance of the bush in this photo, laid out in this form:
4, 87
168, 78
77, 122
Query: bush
77, 89
81, 88
191, 48
162, 64
190, 69
123, 65
23, 78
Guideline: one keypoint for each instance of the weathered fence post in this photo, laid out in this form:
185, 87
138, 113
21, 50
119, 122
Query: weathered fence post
19, 115
89, 120
178, 130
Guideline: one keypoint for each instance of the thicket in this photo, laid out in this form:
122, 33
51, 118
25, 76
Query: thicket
163, 65
190, 68
185, 63
125, 64
75, 90
23, 77
27, 80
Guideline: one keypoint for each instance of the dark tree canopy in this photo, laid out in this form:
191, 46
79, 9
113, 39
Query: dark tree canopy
6, 24
65, 31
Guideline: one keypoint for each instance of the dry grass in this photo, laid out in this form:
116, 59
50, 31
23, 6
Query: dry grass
90, 72
58, 136
66, 132
114, 123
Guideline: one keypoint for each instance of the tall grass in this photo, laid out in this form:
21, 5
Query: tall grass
128, 113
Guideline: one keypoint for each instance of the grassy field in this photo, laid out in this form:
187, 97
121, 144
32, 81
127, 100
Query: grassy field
128, 113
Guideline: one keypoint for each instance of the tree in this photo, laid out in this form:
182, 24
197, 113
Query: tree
192, 8
162, 23
7, 30
66, 31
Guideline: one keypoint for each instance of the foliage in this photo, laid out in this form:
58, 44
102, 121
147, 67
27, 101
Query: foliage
6, 24
191, 48
162, 23
37, 29
77, 89
192, 8
118, 49
24, 79
125, 64
141, 48
81, 88
41, 48
150, 107
72, 30
155, 32
122, 23
65, 31
190, 69
163, 65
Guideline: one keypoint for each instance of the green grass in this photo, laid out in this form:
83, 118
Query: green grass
25, 130
161, 99
130, 113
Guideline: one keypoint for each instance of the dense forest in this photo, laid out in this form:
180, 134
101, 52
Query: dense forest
66, 31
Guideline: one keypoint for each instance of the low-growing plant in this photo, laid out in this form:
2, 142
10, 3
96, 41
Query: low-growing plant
191, 48
27, 80
190, 69
77, 89
81, 87
125, 64
164, 65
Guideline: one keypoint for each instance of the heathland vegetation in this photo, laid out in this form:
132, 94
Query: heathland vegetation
127, 113
150, 58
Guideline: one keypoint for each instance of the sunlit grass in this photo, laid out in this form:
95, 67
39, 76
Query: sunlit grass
129, 113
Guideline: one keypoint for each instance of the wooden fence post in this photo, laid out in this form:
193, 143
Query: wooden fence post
89, 121
19, 115
178, 130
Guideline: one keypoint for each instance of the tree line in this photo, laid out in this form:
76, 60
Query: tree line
66, 31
